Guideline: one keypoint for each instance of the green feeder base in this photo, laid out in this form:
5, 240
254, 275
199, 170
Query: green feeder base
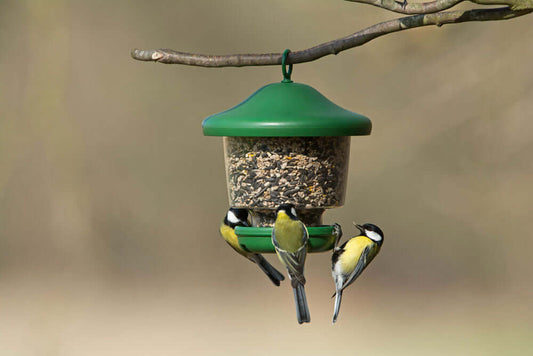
259, 240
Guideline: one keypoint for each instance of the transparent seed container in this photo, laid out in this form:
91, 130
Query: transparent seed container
265, 172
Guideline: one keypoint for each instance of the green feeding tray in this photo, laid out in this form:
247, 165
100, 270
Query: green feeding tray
283, 110
259, 240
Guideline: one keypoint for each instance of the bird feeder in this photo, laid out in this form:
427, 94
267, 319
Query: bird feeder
286, 143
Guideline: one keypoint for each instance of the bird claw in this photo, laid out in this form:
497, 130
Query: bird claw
337, 232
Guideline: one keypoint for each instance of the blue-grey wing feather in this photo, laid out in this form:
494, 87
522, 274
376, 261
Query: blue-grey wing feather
359, 267
305, 238
294, 261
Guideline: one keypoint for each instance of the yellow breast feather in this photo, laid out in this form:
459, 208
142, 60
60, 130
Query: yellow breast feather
231, 238
288, 233
353, 249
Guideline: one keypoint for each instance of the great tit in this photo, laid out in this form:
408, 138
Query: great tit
289, 237
239, 217
349, 260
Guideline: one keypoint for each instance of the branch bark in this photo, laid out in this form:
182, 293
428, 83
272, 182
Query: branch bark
431, 6
413, 8
356, 39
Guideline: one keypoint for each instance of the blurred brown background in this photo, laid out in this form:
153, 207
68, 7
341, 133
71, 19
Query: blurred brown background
110, 196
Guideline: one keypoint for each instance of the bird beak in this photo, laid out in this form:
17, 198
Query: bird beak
360, 227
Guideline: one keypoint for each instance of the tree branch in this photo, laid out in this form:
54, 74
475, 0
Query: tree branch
356, 39
413, 8
432, 6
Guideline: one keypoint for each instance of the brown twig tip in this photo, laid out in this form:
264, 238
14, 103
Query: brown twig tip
426, 16
142, 55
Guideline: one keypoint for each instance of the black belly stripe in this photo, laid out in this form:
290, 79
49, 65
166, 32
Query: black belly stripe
335, 257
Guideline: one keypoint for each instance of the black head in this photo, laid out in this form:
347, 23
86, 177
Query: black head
288, 209
236, 217
372, 232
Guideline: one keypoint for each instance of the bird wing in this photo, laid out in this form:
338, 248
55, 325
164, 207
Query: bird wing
359, 267
294, 261
305, 238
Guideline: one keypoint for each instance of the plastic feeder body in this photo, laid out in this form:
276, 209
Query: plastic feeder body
265, 172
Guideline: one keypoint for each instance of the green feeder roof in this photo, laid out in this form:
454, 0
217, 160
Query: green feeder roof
286, 109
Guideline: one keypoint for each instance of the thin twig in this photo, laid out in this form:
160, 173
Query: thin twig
411, 8
356, 39
429, 7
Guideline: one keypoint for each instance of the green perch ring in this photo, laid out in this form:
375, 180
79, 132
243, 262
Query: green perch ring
258, 239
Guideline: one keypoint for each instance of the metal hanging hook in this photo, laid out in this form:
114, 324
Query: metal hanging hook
286, 74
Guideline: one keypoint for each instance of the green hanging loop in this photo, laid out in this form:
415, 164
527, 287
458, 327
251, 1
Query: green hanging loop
286, 75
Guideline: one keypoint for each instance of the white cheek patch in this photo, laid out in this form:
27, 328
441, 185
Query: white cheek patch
372, 235
232, 218
293, 211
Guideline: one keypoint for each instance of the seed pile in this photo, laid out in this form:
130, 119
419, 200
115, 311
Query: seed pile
264, 172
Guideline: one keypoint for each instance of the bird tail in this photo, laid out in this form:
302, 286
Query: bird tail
302, 311
275, 276
338, 298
